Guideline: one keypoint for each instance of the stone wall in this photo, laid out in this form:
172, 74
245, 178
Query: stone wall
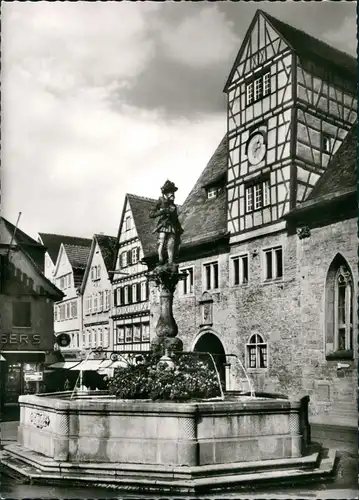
288, 313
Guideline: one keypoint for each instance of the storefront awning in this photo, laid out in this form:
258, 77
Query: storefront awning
88, 365
66, 365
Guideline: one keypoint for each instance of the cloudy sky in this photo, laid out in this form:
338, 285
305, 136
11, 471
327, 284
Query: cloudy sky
104, 98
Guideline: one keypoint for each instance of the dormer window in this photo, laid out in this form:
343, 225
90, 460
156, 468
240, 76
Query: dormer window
326, 143
212, 192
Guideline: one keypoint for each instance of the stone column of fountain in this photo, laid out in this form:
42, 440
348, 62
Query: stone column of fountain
166, 274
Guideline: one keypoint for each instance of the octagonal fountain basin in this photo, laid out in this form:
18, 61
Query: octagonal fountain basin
155, 445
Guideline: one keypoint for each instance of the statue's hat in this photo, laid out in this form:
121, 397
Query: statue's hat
168, 187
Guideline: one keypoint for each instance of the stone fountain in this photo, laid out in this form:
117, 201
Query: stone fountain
170, 447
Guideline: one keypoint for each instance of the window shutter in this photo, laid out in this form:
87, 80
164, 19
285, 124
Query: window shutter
147, 290
122, 294
139, 298
138, 254
130, 294
129, 257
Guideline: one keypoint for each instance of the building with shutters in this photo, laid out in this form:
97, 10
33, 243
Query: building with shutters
130, 306
52, 243
96, 294
68, 275
26, 314
269, 242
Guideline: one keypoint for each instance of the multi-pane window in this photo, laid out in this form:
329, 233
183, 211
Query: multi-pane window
134, 292
127, 294
256, 352
187, 282
95, 303
266, 84
240, 270
68, 311
343, 313
128, 333
123, 259
257, 195
134, 255
133, 333
210, 276
107, 300
21, 314
120, 334
127, 223
100, 301
74, 309
95, 272
258, 88
144, 290
273, 263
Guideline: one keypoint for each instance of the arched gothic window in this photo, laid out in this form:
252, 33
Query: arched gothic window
343, 313
256, 352
339, 309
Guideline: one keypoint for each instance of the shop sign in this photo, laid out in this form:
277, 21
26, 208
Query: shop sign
19, 339
33, 376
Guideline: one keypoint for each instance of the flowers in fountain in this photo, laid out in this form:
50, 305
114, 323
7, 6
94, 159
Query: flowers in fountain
192, 377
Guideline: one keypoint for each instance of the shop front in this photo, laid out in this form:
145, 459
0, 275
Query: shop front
23, 369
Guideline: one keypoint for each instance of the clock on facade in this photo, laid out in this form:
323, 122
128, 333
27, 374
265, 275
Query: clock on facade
256, 149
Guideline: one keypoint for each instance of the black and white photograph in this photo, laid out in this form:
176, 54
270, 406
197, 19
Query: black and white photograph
178, 250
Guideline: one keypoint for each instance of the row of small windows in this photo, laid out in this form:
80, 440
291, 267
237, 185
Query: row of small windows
257, 195
95, 337
272, 270
68, 310
133, 333
64, 281
258, 89
129, 257
131, 294
97, 302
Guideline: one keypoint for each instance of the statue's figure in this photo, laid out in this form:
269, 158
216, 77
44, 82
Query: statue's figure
168, 226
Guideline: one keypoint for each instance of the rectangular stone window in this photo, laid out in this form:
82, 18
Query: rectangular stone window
240, 270
21, 314
273, 264
211, 276
187, 284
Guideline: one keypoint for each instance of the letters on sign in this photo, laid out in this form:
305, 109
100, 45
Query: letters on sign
19, 339
133, 308
39, 420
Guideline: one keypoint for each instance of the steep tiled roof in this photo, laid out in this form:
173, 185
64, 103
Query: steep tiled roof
341, 173
21, 237
310, 46
53, 242
107, 245
204, 218
141, 207
78, 255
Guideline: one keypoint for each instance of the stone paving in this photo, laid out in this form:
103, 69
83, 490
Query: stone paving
344, 487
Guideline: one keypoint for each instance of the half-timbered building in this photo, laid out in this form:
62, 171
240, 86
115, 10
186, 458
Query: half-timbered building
263, 289
130, 306
96, 294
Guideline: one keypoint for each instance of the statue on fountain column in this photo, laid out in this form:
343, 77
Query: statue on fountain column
168, 226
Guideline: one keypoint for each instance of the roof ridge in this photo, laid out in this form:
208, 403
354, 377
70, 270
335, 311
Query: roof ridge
65, 236
145, 198
305, 33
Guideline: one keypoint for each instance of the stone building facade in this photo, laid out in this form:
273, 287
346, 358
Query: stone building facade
269, 240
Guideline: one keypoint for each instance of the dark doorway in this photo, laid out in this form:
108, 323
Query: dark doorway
211, 343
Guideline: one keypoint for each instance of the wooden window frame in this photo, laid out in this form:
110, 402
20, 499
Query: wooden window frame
260, 348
